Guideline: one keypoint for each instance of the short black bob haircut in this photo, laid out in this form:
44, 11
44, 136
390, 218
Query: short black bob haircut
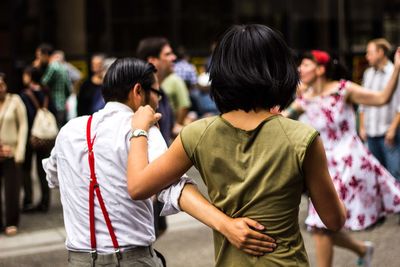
252, 68
123, 74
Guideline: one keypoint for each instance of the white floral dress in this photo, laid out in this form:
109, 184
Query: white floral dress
367, 189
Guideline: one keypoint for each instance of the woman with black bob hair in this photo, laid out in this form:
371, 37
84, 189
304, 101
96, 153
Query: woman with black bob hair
252, 68
255, 163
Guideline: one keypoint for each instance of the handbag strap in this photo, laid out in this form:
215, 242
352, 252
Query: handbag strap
35, 101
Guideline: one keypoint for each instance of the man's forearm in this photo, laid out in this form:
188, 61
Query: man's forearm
194, 203
395, 122
361, 121
240, 232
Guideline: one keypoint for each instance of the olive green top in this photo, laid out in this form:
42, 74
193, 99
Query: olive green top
255, 174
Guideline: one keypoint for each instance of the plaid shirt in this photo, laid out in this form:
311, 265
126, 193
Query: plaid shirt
186, 71
56, 78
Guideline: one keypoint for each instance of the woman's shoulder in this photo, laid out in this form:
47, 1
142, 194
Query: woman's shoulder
296, 131
200, 125
15, 98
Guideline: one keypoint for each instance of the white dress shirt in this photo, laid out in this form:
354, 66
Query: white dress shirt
68, 168
378, 119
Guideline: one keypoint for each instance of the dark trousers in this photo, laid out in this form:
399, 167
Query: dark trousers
10, 185
27, 178
388, 156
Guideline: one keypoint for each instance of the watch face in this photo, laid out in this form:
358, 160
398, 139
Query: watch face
139, 132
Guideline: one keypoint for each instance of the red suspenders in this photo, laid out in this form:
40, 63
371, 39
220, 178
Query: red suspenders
95, 189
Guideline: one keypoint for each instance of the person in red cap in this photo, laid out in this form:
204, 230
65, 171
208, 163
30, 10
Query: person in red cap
366, 188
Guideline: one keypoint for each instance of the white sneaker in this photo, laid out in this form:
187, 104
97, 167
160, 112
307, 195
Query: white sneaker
366, 260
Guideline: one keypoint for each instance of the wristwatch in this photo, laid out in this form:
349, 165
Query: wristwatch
137, 133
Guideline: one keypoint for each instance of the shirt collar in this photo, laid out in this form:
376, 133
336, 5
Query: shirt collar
387, 68
117, 106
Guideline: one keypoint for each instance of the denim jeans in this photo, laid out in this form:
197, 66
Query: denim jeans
388, 156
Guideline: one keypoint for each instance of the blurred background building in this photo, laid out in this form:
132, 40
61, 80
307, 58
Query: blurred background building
83, 27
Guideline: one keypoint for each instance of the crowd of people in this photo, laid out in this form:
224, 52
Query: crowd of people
241, 107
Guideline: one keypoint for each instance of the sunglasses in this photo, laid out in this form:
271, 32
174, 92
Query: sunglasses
157, 92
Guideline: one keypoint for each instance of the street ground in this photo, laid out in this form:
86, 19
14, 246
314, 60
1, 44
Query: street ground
186, 243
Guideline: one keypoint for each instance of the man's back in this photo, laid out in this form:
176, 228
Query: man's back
132, 220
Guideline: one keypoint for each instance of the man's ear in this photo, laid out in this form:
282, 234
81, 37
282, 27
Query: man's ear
152, 60
135, 95
137, 90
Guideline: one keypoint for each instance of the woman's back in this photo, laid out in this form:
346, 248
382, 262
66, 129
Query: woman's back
255, 174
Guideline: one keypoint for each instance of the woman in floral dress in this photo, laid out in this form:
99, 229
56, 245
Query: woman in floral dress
365, 187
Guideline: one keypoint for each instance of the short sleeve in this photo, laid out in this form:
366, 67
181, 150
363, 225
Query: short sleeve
301, 136
191, 136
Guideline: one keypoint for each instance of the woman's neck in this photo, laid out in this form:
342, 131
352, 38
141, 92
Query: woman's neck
320, 86
246, 120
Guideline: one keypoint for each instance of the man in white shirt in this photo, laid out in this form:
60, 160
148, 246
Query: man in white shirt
379, 126
91, 154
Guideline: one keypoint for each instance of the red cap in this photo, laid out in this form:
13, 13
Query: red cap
321, 57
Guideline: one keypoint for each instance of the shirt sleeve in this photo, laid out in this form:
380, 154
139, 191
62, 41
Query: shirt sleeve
170, 196
182, 94
47, 76
50, 167
22, 130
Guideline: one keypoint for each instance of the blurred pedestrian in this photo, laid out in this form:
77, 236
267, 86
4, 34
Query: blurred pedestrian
13, 132
202, 102
149, 49
254, 163
33, 95
379, 126
91, 153
184, 69
90, 98
158, 51
75, 77
368, 191
56, 78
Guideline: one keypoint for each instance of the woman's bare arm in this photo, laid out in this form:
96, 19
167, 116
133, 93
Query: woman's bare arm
145, 180
322, 191
360, 95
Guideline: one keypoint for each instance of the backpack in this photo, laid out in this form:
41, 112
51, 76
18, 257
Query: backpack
44, 129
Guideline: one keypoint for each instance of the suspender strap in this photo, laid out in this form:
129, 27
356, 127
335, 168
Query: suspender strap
95, 189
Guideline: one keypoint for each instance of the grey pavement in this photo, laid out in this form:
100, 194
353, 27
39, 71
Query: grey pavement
186, 243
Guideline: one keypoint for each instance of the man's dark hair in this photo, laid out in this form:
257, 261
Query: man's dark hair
123, 74
252, 68
150, 47
46, 49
